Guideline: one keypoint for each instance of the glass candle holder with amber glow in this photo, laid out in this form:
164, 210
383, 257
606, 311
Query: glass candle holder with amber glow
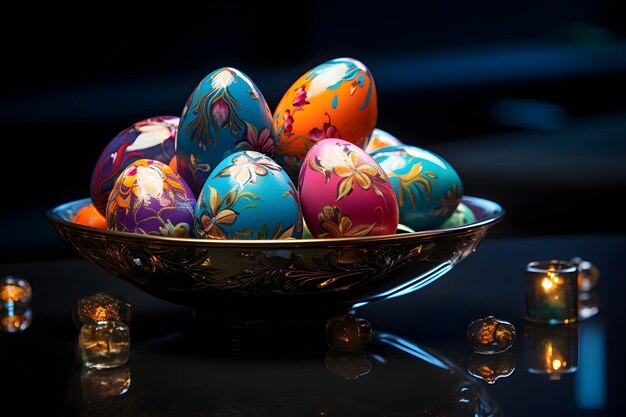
551, 292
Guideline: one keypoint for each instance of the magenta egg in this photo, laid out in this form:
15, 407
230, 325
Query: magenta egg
152, 138
150, 198
345, 193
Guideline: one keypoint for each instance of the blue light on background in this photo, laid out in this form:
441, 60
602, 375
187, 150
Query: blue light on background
591, 376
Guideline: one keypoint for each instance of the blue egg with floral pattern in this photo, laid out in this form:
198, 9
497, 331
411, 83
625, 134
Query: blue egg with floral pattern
248, 196
427, 186
225, 113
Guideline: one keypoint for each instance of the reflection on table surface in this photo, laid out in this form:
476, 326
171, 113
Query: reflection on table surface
419, 363
178, 375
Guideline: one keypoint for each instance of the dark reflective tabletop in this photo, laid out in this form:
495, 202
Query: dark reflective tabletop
419, 362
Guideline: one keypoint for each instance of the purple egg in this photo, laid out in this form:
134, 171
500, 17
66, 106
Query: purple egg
150, 198
153, 138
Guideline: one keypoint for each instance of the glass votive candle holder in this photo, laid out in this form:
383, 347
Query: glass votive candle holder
551, 292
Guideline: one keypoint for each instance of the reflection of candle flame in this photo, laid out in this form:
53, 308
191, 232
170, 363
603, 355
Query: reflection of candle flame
556, 363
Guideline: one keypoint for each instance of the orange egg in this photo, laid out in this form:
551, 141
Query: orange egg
173, 163
336, 99
90, 216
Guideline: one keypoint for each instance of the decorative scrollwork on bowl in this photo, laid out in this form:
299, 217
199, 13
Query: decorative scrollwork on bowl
269, 277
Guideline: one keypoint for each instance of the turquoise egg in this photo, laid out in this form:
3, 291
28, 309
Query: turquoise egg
462, 215
225, 113
248, 196
427, 187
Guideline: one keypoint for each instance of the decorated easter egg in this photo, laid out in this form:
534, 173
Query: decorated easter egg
152, 138
345, 193
379, 139
150, 198
427, 186
90, 216
336, 99
462, 215
248, 196
224, 114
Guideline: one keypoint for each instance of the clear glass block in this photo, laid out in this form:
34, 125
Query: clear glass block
105, 344
491, 335
348, 333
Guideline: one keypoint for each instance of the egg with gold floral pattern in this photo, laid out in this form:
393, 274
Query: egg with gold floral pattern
150, 198
462, 215
248, 196
427, 186
336, 99
224, 114
152, 138
345, 193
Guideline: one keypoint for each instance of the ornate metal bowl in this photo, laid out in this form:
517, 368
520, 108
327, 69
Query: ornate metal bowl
268, 279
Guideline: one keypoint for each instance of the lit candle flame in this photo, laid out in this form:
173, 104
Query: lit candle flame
551, 280
547, 284
556, 364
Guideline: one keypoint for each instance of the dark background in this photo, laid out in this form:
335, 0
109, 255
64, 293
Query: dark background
526, 99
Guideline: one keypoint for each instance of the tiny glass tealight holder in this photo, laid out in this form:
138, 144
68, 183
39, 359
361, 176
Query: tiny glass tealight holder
551, 292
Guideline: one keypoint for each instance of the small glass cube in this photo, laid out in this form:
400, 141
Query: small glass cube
491, 335
105, 344
101, 306
348, 333
15, 292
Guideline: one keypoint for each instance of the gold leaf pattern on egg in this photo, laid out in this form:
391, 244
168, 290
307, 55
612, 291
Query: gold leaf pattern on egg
216, 108
448, 202
422, 180
335, 224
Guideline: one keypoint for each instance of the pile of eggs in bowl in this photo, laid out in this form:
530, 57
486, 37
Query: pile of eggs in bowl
230, 168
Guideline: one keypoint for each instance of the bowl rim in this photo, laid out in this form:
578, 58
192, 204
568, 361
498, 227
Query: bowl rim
494, 211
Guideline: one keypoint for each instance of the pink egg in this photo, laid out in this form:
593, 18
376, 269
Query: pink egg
345, 193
